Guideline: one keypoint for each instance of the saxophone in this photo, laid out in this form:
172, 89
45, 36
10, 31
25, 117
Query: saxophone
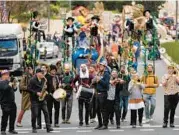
44, 92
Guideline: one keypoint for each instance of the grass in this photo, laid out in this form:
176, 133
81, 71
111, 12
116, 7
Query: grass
172, 49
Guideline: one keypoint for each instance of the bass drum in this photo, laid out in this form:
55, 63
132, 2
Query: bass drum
81, 52
59, 94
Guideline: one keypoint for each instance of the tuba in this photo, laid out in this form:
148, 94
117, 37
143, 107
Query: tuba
44, 92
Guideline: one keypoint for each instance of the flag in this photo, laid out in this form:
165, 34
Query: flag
4, 15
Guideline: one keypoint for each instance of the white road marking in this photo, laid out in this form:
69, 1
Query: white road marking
83, 131
23, 132
120, 130
143, 130
55, 131
176, 129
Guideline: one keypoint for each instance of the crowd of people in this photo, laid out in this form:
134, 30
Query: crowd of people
116, 92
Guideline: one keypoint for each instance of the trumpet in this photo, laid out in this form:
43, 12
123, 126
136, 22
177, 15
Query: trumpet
44, 92
13, 82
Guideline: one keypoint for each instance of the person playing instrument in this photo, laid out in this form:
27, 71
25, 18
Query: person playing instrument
149, 93
102, 86
170, 82
36, 86
52, 85
136, 103
84, 80
36, 24
25, 102
124, 93
7, 102
67, 103
113, 99
59, 68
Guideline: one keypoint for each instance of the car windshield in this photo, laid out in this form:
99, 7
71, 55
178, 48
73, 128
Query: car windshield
8, 47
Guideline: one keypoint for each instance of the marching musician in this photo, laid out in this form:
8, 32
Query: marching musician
113, 99
67, 103
7, 101
149, 93
124, 93
102, 86
25, 103
52, 85
36, 87
84, 80
170, 82
136, 103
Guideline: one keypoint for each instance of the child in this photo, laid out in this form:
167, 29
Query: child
136, 102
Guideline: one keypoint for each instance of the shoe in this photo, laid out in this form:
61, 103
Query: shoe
13, 132
3, 133
56, 125
172, 125
39, 127
80, 124
87, 125
34, 131
99, 126
164, 125
68, 122
49, 130
19, 125
123, 120
92, 120
140, 124
112, 122
151, 118
103, 128
118, 127
63, 122
147, 120
133, 126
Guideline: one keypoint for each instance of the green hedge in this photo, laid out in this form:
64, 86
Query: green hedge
172, 49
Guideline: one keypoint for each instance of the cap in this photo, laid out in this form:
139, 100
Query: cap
4, 72
104, 63
39, 70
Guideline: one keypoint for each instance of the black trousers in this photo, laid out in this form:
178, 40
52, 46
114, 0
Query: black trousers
112, 106
134, 116
170, 104
93, 108
35, 107
101, 108
51, 102
81, 103
8, 113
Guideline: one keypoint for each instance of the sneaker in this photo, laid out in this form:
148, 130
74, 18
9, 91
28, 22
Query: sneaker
80, 124
140, 124
98, 127
133, 126
49, 130
68, 122
151, 118
87, 124
92, 121
13, 132
147, 120
172, 125
63, 122
19, 125
103, 128
56, 125
164, 125
3, 133
39, 127
123, 120
34, 131
118, 127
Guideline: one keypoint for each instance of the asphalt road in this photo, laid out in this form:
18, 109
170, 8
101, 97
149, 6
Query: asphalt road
153, 128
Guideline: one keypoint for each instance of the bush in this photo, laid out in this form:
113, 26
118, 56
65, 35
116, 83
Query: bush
172, 49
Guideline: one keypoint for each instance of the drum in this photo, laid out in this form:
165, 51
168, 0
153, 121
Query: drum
85, 93
59, 94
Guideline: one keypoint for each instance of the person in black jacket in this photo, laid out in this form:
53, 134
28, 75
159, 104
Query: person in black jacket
7, 102
35, 87
102, 86
52, 85
149, 20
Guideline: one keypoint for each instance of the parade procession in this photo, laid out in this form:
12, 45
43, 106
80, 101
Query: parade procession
98, 70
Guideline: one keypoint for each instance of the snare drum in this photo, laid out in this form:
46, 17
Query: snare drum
85, 93
59, 94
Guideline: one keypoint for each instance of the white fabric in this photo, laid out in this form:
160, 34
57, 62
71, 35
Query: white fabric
135, 106
82, 75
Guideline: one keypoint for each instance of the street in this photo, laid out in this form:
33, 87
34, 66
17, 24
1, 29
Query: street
154, 128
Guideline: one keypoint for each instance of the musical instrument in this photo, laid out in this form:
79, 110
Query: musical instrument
85, 93
13, 82
44, 92
59, 94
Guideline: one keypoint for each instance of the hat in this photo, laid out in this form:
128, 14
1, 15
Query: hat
70, 18
53, 67
146, 11
95, 17
4, 72
104, 63
39, 70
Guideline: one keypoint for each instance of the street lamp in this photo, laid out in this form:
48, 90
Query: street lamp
176, 20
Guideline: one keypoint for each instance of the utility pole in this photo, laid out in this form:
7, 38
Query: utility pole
176, 20
48, 16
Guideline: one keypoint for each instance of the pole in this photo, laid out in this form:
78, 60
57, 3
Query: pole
48, 16
176, 20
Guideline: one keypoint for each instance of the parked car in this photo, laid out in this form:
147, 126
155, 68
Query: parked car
50, 48
173, 31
